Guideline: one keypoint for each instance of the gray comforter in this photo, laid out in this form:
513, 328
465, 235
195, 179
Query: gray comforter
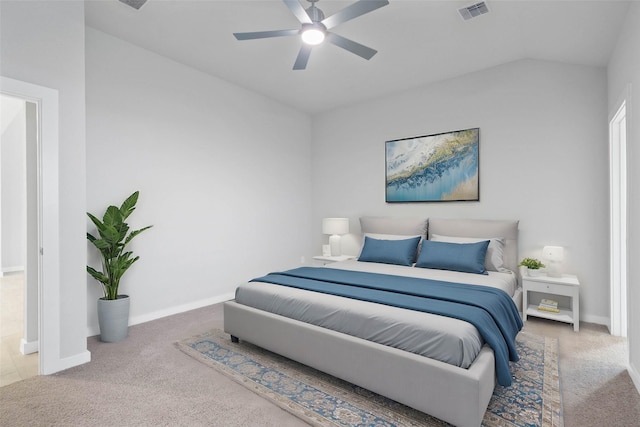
445, 339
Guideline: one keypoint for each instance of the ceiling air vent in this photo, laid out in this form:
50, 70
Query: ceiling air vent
473, 10
136, 4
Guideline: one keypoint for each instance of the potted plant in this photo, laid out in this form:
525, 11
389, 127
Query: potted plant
533, 266
113, 309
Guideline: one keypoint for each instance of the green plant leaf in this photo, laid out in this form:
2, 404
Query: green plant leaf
99, 276
135, 233
101, 244
114, 237
95, 221
531, 263
110, 234
112, 216
129, 205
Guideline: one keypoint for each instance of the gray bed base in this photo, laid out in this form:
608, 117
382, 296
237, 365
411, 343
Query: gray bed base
456, 395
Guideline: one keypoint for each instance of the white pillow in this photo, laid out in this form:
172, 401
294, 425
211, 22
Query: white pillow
493, 261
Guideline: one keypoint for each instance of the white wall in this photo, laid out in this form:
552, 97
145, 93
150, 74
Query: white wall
223, 176
42, 42
13, 188
624, 81
543, 160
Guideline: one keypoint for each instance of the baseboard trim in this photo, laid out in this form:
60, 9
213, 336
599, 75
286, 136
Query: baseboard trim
27, 347
12, 269
66, 363
143, 318
599, 320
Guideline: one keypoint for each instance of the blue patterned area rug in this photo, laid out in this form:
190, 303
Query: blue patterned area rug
323, 400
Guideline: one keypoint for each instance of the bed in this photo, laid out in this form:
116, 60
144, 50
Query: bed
439, 365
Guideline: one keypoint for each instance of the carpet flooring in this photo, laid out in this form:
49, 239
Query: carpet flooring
322, 400
146, 381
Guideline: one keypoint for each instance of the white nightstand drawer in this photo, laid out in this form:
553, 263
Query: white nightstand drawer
550, 288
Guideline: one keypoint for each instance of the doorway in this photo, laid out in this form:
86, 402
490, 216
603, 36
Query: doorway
48, 226
618, 171
18, 239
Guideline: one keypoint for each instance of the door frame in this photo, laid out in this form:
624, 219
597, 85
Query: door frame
618, 220
46, 99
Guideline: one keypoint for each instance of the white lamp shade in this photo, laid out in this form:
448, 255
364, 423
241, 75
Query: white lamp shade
335, 226
553, 253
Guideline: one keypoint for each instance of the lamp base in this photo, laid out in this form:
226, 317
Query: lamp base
334, 243
553, 269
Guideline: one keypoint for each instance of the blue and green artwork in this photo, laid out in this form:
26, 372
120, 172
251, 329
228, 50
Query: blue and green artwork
433, 168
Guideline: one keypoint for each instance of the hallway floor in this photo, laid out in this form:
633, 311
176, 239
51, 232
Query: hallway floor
14, 366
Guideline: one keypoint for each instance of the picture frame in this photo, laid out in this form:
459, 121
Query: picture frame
442, 167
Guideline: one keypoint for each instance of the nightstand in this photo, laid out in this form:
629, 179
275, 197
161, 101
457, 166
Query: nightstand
567, 285
324, 260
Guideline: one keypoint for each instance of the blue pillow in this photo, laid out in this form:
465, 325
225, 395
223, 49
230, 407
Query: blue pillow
400, 252
465, 257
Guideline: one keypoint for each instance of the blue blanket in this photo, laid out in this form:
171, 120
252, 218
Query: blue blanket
490, 310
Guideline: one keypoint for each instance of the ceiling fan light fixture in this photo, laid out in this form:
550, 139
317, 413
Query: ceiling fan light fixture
314, 28
313, 34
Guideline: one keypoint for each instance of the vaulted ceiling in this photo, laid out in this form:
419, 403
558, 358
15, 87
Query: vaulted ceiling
418, 42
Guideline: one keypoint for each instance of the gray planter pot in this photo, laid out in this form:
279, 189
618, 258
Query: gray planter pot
113, 318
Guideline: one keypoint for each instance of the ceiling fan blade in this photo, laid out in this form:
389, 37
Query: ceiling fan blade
265, 34
353, 47
353, 11
136, 4
297, 9
303, 57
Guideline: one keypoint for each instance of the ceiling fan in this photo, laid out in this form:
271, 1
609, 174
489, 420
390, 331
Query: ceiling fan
315, 25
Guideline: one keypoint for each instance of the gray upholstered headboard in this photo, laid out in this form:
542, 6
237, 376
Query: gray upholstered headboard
393, 225
507, 229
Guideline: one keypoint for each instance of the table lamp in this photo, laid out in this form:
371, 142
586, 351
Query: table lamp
335, 227
555, 255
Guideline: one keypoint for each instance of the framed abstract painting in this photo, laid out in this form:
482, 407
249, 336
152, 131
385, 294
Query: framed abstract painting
442, 167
